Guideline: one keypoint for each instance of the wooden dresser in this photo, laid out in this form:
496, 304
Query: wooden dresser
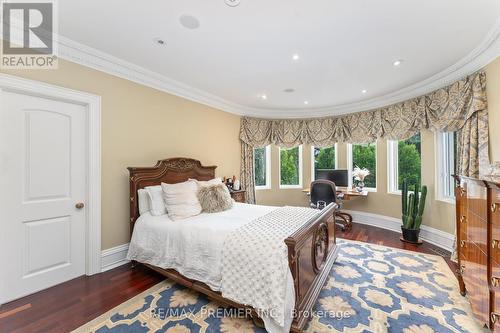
478, 244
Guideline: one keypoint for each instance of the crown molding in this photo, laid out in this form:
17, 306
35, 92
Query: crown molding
84, 55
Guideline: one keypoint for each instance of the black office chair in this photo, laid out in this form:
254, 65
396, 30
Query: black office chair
324, 192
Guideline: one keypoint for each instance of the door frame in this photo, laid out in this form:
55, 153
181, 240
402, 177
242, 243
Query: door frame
92, 104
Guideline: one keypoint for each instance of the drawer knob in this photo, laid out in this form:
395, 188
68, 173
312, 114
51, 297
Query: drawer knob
494, 317
462, 243
495, 244
495, 281
494, 207
463, 219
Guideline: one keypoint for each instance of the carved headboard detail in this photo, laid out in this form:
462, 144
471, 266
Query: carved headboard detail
171, 171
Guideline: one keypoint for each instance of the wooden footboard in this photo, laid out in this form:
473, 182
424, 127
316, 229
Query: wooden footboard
312, 250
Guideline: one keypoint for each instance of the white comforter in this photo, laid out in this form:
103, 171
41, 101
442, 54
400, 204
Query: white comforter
193, 247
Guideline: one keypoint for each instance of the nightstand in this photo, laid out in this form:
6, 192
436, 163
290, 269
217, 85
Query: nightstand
239, 196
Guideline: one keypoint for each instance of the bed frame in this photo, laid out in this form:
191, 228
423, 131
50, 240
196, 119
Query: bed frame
312, 249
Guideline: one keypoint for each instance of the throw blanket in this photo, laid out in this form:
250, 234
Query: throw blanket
255, 260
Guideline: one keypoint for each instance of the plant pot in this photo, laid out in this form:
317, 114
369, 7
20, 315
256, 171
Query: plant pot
410, 235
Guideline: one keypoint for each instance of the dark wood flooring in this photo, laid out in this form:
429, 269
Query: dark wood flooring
69, 305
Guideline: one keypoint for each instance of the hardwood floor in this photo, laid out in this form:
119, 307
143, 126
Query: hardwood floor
69, 305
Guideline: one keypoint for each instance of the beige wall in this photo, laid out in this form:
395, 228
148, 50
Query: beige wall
493, 91
141, 125
438, 214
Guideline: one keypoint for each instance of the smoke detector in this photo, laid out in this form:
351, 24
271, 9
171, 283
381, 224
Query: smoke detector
232, 3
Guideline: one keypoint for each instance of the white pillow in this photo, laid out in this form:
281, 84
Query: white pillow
181, 199
144, 201
210, 182
157, 205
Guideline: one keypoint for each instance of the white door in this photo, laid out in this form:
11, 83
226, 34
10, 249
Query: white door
43, 166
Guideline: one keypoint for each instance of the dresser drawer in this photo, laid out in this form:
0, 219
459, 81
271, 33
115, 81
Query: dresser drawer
475, 277
495, 288
495, 207
477, 195
477, 231
495, 243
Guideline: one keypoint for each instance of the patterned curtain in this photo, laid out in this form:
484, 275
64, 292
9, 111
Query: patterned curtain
247, 172
446, 109
473, 158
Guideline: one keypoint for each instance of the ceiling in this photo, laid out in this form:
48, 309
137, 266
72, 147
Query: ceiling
237, 54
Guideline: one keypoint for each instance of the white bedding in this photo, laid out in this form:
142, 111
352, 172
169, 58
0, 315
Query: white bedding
192, 246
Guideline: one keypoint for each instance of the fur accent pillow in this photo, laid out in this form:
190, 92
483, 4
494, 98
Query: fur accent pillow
215, 198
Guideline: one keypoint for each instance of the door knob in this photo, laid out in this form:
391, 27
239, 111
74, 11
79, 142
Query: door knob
80, 205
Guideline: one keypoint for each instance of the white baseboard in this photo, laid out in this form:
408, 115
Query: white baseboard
114, 257
431, 235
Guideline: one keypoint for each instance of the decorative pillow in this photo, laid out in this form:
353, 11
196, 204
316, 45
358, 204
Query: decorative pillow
215, 198
144, 201
214, 181
181, 199
156, 204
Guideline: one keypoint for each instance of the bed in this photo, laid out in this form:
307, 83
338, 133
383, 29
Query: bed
188, 252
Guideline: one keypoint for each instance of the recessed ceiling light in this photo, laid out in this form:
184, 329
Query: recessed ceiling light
306, 102
189, 21
295, 57
263, 96
398, 62
159, 41
364, 91
289, 90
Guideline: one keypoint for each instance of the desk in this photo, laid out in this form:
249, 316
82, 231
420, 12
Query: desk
349, 194
346, 194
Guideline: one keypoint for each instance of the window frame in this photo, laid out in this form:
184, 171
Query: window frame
268, 170
335, 162
393, 166
445, 166
287, 187
350, 167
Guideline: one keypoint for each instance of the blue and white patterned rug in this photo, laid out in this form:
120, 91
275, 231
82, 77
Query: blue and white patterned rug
371, 288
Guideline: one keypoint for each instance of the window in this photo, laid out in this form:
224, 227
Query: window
291, 167
262, 167
404, 162
323, 158
446, 146
363, 156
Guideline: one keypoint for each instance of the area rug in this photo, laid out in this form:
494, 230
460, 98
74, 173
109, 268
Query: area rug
371, 288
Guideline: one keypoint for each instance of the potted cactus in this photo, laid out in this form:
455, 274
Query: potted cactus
413, 205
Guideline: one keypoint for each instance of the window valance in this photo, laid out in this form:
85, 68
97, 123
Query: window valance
446, 109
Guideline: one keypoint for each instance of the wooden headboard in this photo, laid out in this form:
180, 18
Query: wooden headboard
171, 171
